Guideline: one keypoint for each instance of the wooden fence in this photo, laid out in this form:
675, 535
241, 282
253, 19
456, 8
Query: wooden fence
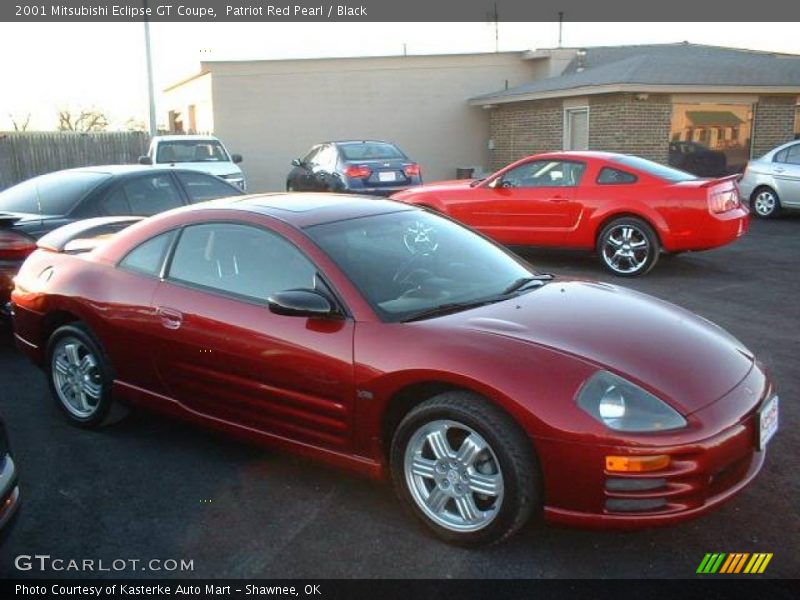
25, 155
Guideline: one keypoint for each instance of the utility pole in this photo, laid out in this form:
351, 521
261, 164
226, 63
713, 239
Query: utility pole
496, 29
560, 26
150, 88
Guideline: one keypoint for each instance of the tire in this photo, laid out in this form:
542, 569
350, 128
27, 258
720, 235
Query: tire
628, 247
76, 358
431, 464
765, 203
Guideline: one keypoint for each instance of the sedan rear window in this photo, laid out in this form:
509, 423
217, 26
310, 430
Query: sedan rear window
185, 151
370, 151
51, 194
655, 169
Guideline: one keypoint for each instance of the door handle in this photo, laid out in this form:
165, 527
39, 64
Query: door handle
557, 199
779, 169
170, 318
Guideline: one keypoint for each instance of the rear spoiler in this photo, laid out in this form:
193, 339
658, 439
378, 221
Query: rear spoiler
711, 182
8, 219
84, 235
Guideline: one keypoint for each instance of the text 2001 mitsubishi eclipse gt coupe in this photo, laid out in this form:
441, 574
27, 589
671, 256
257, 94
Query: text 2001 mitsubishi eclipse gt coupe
387, 339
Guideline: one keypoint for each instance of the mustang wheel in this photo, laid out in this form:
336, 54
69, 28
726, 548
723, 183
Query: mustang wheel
765, 203
628, 247
466, 469
80, 377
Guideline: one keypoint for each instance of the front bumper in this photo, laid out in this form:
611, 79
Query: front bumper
703, 472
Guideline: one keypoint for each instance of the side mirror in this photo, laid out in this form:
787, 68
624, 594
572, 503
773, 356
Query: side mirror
300, 303
296, 162
236, 158
145, 160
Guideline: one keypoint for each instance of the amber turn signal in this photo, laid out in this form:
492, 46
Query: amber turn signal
636, 463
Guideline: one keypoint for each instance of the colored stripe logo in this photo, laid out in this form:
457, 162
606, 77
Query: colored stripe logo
733, 563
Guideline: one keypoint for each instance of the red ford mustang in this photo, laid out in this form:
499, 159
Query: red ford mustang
626, 208
384, 338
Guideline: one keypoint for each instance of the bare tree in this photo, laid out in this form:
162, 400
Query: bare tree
134, 124
20, 124
84, 120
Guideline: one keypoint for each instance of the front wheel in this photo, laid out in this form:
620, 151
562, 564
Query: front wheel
628, 247
465, 469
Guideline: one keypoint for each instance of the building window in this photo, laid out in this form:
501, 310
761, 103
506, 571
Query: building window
710, 140
576, 128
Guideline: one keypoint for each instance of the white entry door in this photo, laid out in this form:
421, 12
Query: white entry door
576, 129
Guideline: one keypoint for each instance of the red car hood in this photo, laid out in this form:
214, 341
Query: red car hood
439, 186
680, 357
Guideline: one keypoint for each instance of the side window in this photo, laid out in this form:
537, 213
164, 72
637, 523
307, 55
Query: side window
793, 155
781, 156
242, 260
201, 187
544, 173
152, 194
148, 256
311, 157
114, 204
609, 176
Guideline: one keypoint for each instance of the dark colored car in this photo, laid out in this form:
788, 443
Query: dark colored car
360, 167
34, 207
387, 339
698, 159
9, 488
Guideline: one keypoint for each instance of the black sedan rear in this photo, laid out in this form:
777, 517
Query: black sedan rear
37, 206
362, 167
9, 489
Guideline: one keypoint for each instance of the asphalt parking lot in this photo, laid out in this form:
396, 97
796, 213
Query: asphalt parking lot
148, 488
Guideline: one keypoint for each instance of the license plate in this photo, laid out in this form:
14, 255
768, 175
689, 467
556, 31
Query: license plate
767, 422
387, 176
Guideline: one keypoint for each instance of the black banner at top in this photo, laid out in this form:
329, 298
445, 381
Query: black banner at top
399, 10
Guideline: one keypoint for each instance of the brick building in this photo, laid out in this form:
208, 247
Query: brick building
703, 108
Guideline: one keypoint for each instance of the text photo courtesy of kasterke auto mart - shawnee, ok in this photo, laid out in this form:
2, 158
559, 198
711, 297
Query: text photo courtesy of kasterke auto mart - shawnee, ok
477, 299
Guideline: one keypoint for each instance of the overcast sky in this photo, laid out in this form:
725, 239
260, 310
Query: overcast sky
47, 66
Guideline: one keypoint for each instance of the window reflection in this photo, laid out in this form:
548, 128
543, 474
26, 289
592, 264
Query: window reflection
710, 140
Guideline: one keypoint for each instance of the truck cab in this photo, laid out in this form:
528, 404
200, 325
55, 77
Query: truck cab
204, 153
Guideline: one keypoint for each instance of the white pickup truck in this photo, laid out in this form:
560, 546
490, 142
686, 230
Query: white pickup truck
203, 153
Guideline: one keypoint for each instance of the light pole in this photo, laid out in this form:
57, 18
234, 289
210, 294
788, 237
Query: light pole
150, 89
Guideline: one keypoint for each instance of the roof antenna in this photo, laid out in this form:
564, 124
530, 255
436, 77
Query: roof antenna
560, 26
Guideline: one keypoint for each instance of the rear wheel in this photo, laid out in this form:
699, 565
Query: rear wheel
465, 469
764, 203
80, 377
628, 247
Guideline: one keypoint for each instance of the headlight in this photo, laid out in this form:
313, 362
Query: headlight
622, 406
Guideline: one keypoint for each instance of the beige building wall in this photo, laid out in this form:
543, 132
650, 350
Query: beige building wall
190, 101
273, 111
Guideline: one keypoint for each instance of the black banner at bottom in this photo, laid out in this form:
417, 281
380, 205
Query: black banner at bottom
464, 589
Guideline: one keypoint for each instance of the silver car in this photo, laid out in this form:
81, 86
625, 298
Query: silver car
772, 182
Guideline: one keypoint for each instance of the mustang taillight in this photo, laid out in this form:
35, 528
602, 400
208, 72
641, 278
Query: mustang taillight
411, 170
723, 201
15, 246
358, 172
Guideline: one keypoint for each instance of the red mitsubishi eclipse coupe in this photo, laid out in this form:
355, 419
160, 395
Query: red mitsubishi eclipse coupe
387, 339
626, 208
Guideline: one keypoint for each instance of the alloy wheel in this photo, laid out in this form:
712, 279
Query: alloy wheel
76, 377
453, 475
626, 249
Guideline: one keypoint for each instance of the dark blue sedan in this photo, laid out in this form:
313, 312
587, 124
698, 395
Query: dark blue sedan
356, 166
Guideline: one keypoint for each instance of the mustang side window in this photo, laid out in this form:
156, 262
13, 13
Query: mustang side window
241, 260
544, 173
609, 176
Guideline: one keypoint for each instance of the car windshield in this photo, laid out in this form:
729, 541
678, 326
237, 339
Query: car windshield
51, 194
184, 151
370, 151
410, 264
655, 169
